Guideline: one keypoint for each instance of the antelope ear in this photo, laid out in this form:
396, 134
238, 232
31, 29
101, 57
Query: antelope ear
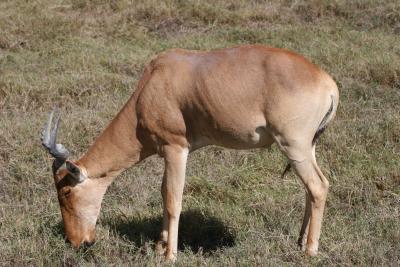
75, 171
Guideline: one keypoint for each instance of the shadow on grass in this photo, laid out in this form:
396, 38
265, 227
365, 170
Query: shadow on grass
58, 229
197, 231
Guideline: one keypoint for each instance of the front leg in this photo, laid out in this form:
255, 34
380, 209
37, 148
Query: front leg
161, 246
172, 189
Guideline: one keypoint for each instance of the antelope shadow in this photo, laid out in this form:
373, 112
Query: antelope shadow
198, 232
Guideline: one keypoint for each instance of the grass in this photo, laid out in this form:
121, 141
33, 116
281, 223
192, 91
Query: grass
86, 56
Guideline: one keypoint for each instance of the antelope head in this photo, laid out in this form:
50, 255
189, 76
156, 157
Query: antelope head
79, 196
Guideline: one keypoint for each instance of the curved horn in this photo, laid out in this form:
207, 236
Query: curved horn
49, 137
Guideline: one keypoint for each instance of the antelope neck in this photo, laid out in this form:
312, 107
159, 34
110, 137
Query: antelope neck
117, 148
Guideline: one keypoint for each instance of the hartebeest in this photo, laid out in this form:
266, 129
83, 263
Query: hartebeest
242, 97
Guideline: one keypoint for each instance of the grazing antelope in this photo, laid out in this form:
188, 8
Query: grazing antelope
243, 97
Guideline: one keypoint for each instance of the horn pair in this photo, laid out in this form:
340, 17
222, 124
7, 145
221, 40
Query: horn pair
49, 139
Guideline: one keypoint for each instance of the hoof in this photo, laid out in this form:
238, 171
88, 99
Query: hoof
312, 252
302, 243
161, 247
170, 257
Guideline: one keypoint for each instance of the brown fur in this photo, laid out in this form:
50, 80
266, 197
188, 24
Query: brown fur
242, 97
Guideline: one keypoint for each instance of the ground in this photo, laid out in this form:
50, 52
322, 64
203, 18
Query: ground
87, 56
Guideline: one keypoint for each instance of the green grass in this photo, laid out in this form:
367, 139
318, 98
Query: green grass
87, 56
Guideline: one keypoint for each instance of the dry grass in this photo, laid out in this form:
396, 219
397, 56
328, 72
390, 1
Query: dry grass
87, 56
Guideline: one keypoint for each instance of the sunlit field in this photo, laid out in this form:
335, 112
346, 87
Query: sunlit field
87, 56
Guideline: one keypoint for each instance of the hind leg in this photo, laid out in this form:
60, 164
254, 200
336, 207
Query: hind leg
302, 158
317, 190
302, 241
